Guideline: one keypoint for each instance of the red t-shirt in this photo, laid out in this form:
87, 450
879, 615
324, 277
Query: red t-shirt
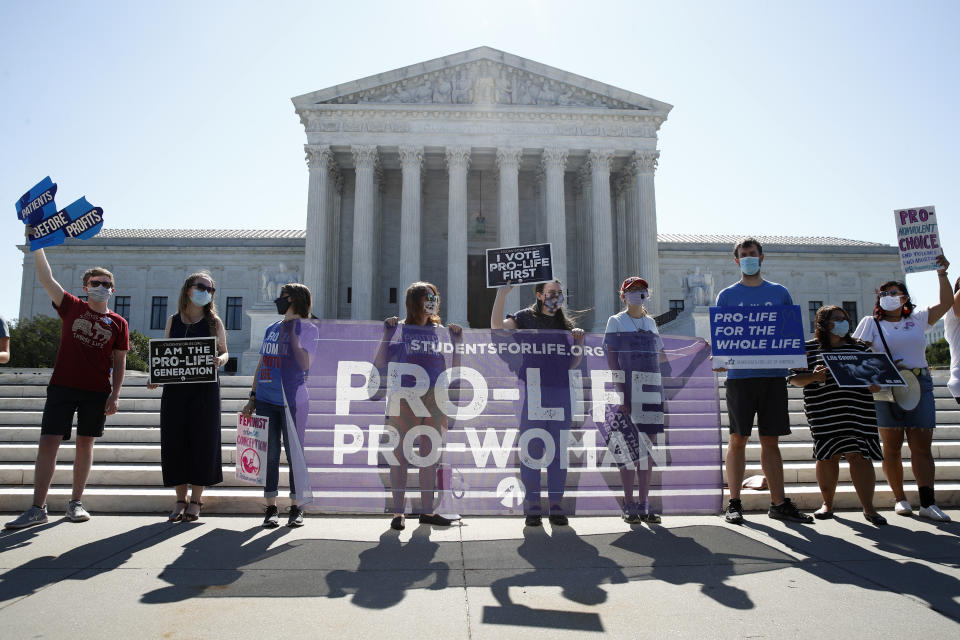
87, 342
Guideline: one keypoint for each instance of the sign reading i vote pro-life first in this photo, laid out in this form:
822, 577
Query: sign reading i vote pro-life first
36, 207
519, 265
183, 360
918, 239
762, 337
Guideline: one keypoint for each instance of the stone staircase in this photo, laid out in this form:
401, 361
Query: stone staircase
126, 475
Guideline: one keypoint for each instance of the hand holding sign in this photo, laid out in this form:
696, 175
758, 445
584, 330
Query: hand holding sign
918, 238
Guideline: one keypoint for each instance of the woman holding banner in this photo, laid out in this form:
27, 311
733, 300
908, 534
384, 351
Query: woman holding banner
842, 421
633, 343
418, 345
288, 346
190, 413
895, 328
546, 313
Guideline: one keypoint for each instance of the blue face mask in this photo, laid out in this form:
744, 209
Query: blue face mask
201, 298
750, 265
840, 328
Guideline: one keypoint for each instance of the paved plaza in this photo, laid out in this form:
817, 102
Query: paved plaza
226, 577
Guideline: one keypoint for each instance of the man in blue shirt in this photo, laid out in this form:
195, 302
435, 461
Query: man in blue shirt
760, 393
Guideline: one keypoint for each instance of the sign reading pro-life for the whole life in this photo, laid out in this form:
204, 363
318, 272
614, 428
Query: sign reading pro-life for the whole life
762, 337
183, 360
519, 265
918, 239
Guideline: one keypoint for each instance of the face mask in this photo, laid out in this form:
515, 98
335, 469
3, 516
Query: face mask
890, 303
282, 305
98, 294
635, 297
552, 303
840, 328
750, 265
201, 298
430, 307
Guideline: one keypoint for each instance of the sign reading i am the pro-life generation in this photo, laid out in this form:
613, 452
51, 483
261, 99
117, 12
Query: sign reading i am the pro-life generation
918, 239
251, 449
761, 337
519, 265
183, 360
50, 227
862, 369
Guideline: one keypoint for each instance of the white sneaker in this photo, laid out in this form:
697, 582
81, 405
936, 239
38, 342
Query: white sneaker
76, 512
30, 517
934, 513
902, 508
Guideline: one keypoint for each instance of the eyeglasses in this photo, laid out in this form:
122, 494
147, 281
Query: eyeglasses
884, 294
100, 283
202, 287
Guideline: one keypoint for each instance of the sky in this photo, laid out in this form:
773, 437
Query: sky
813, 118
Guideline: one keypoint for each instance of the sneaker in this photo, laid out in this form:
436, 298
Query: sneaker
631, 515
533, 521
559, 520
934, 513
789, 512
271, 517
650, 518
902, 508
33, 515
734, 512
295, 519
76, 512
435, 520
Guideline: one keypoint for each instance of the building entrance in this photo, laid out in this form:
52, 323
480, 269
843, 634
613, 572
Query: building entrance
479, 297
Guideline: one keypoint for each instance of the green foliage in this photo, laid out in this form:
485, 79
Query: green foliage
34, 342
139, 353
938, 353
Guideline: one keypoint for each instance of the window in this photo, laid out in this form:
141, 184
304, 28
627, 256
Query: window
812, 306
158, 312
234, 313
676, 305
393, 295
850, 306
121, 306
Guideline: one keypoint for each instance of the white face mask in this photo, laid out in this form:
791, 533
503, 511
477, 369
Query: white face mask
636, 297
98, 294
201, 298
890, 303
841, 328
430, 304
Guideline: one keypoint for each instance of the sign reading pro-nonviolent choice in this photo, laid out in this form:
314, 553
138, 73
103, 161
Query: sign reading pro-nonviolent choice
762, 337
918, 239
183, 360
519, 265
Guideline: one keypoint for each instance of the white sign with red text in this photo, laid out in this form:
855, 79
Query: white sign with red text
252, 449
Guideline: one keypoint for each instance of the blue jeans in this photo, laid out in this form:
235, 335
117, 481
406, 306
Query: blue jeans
276, 427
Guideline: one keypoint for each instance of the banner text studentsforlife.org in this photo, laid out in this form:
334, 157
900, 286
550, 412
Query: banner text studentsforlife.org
506, 396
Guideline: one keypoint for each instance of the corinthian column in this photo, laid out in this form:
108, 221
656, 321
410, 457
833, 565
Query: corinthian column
554, 163
411, 163
508, 162
620, 227
604, 299
458, 160
319, 160
642, 225
585, 240
364, 213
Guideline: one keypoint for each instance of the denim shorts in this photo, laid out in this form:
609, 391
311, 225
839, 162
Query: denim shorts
923, 416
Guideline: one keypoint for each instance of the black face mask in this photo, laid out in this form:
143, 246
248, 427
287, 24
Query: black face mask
282, 305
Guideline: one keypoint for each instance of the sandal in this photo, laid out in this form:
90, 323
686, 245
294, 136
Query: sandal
177, 514
823, 513
190, 515
397, 523
875, 519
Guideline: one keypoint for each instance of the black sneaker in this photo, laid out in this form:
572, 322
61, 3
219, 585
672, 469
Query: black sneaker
559, 520
789, 512
271, 517
734, 511
436, 520
534, 521
631, 513
295, 519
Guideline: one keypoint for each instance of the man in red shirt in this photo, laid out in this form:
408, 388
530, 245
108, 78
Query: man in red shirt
93, 341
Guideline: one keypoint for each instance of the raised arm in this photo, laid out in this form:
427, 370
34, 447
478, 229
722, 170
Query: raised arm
389, 326
946, 293
45, 276
497, 321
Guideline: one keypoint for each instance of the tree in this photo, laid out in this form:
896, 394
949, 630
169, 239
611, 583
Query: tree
139, 353
34, 342
938, 353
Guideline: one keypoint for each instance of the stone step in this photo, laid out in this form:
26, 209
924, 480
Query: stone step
808, 497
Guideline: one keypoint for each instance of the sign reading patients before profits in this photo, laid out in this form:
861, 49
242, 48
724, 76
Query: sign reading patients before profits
857, 369
251, 449
183, 360
37, 208
918, 239
762, 337
519, 265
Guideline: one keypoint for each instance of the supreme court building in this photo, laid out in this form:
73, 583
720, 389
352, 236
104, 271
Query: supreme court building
414, 173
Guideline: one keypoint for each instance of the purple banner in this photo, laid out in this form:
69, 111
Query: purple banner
414, 419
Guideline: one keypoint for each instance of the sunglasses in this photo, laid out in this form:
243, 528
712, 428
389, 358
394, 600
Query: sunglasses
100, 283
203, 287
432, 297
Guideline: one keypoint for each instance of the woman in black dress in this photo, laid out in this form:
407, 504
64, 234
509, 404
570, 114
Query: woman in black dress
190, 413
842, 420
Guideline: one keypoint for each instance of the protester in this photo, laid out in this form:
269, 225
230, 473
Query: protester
288, 341
842, 420
633, 343
4, 342
86, 380
190, 412
420, 325
897, 329
951, 322
546, 313
756, 393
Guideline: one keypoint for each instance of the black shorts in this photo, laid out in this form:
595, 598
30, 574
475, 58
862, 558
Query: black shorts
765, 398
62, 402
